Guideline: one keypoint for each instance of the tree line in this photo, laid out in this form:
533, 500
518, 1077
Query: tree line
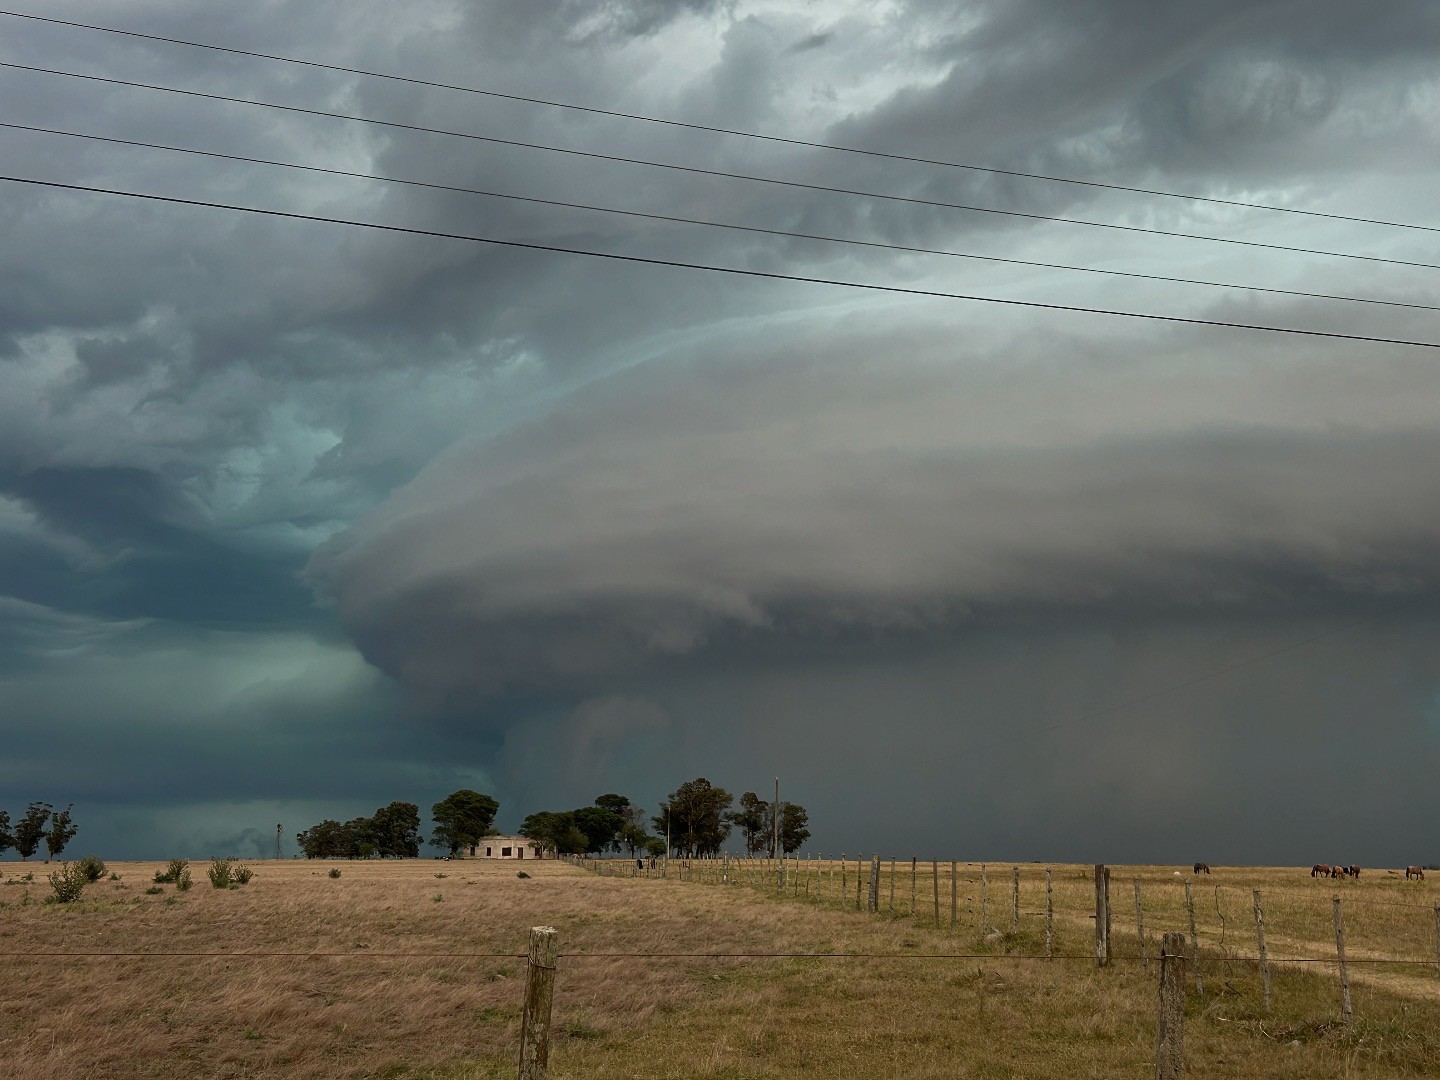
696, 818
41, 822
461, 819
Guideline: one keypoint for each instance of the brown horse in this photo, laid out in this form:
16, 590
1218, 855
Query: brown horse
1414, 872
1353, 871
1320, 869
1337, 871
1202, 868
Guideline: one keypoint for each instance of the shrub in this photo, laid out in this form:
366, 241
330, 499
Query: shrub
182, 880
114, 877
154, 890
522, 873
335, 871
68, 882
93, 867
219, 873
173, 869
242, 874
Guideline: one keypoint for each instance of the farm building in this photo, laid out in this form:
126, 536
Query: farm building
505, 847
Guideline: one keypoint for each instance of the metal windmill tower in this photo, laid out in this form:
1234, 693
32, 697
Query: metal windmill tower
278, 830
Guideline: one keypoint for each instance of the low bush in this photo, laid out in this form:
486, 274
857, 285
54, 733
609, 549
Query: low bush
171, 874
182, 880
220, 872
242, 874
335, 871
93, 867
154, 890
68, 882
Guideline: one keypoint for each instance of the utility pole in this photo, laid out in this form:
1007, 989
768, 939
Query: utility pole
278, 830
775, 830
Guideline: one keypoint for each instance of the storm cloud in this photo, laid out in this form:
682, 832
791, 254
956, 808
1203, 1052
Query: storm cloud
442, 513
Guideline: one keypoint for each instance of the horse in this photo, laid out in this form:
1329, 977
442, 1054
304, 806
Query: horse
1320, 869
1337, 871
1354, 871
1202, 868
1414, 872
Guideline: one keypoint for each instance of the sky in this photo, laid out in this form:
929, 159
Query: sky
299, 518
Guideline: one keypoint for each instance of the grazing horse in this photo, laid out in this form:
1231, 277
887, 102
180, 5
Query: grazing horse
1202, 868
1337, 871
1414, 872
1354, 871
1320, 869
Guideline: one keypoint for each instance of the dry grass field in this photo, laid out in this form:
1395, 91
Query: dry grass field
340, 1002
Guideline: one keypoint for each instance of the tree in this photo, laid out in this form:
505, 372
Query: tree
395, 830
326, 840
793, 831
6, 839
754, 820
618, 803
600, 826
31, 828
551, 831
461, 819
632, 833
695, 817
61, 830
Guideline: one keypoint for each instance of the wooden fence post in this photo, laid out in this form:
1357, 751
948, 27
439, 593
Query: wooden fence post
1140, 925
844, 890
1102, 915
539, 994
1437, 934
892, 886
874, 884
954, 886
912, 888
1049, 916
1194, 941
1014, 900
857, 882
935, 880
984, 910
1170, 1045
1345, 1009
1260, 941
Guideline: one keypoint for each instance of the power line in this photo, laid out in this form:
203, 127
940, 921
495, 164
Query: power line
738, 271
674, 219
715, 130
719, 173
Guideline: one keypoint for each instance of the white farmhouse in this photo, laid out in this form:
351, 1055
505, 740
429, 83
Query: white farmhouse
505, 847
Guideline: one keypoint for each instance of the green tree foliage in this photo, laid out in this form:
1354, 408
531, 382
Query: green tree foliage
395, 831
553, 831
461, 819
392, 832
633, 836
753, 819
62, 830
756, 821
793, 827
611, 801
696, 817
7, 840
30, 829
601, 827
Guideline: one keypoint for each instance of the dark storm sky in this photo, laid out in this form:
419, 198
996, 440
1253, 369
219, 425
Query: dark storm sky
296, 519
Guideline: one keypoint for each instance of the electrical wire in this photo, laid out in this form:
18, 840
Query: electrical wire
712, 129
674, 219
720, 173
769, 275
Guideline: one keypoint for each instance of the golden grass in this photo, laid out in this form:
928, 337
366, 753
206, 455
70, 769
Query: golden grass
364, 1014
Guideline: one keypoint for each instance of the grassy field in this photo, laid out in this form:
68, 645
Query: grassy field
339, 1002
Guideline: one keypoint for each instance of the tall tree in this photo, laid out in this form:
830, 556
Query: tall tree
30, 828
7, 841
327, 839
754, 820
695, 815
617, 803
793, 827
461, 819
396, 830
550, 830
61, 830
600, 826
632, 833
